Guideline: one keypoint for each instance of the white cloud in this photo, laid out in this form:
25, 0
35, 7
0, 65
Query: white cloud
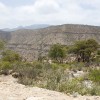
44, 7
51, 12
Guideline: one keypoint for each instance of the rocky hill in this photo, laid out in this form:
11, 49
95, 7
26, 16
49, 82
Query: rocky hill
33, 43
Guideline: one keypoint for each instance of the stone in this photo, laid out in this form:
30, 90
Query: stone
15, 75
88, 83
75, 94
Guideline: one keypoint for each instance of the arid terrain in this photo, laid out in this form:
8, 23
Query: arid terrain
11, 90
31, 43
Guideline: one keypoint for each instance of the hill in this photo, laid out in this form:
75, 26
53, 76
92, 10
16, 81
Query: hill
35, 26
6, 36
33, 43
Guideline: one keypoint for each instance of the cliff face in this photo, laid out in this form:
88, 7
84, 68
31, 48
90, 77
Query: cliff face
33, 43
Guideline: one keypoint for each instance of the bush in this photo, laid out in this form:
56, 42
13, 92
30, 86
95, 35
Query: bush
53, 77
10, 56
94, 75
5, 67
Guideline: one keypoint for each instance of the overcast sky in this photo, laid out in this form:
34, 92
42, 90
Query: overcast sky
15, 13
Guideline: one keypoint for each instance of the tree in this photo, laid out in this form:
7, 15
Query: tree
57, 52
84, 49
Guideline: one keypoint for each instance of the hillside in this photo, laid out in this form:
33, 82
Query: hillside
6, 36
32, 43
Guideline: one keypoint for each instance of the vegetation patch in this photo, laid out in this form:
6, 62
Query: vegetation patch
56, 75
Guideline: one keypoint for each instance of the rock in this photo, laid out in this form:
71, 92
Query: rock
87, 99
68, 94
88, 83
78, 74
10, 71
75, 94
97, 98
75, 74
15, 75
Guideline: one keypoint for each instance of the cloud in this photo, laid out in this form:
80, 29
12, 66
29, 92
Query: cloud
44, 7
51, 12
4, 15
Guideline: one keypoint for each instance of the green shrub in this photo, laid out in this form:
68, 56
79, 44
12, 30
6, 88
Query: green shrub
5, 66
51, 76
94, 75
95, 90
10, 56
24, 69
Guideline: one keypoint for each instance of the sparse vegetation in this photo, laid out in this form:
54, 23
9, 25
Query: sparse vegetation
94, 75
10, 56
1, 45
54, 77
57, 75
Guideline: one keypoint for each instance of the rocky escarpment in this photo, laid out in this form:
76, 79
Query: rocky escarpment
33, 43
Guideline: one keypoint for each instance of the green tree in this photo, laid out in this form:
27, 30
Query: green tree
10, 56
85, 50
57, 52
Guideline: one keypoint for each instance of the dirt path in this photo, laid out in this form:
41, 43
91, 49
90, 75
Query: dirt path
11, 90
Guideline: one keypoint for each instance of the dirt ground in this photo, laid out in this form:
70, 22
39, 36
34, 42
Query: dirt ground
11, 90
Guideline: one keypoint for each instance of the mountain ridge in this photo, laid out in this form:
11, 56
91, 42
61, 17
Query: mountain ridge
34, 26
31, 43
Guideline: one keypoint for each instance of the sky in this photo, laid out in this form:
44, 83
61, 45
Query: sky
15, 13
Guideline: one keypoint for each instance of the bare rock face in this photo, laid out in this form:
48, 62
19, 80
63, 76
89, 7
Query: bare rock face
33, 43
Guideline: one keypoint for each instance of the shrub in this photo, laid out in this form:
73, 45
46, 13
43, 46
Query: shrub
53, 77
5, 67
10, 56
94, 75
1, 44
95, 90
